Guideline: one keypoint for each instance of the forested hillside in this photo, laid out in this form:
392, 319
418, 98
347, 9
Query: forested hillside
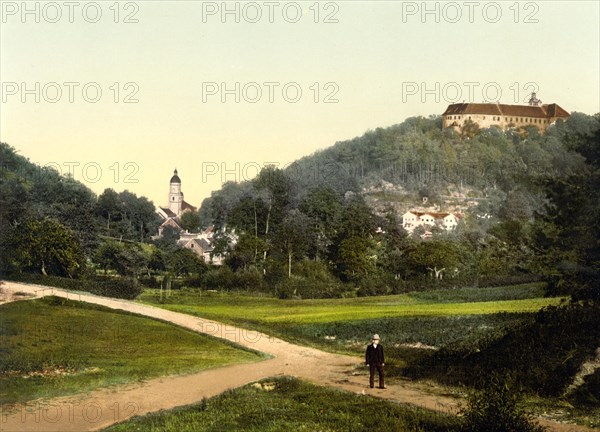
337, 212
329, 224
54, 225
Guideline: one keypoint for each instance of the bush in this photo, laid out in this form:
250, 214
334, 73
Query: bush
588, 394
193, 282
248, 279
222, 278
306, 288
125, 288
495, 408
543, 355
149, 281
373, 285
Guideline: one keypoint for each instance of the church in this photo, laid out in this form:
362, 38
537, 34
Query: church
200, 243
504, 116
177, 205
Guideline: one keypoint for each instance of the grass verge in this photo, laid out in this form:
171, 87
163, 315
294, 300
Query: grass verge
53, 346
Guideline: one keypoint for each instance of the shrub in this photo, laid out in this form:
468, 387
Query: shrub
588, 394
125, 288
149, 281
248, 279
495, 408
301, 287
543, 355
373, 285
222, 278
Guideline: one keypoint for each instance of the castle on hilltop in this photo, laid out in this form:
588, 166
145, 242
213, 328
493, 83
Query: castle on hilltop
504, 116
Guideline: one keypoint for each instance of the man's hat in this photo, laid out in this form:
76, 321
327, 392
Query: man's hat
375, 337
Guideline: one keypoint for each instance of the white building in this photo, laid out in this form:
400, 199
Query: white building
414, 219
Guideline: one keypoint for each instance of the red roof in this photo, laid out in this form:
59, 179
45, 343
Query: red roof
187, 206
436, 215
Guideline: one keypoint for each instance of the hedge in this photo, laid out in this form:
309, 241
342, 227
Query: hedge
124, 288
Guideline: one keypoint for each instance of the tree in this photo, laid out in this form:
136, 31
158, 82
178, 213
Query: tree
190, 221
293, 237
469, 129
183, 261
50, 248
356, 258
323, 207
273, 187
108, 255
108, 207
395, 247
438, 256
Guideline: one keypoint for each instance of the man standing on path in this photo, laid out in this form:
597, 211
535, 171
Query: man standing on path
375, 360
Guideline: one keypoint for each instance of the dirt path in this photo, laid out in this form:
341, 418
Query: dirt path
103, 407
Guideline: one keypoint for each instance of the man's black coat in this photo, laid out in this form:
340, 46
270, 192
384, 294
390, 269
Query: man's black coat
374, 354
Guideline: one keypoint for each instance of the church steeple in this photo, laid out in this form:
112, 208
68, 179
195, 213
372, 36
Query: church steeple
175, 178
175, 194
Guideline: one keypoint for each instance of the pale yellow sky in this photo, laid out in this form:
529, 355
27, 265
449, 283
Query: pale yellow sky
375, 62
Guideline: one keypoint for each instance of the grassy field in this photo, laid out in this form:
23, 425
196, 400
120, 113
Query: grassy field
287, 404
53, 346
435, 318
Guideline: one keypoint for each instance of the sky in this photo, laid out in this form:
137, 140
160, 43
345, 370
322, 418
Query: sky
119, 94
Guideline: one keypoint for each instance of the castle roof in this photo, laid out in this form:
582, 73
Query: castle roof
541, 111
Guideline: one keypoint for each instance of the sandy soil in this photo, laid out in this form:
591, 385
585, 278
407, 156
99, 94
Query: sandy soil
103, 407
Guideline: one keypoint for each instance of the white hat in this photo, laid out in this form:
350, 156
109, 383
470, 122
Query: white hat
375, 337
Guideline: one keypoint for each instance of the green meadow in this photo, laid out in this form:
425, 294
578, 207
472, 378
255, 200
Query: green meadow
434, 318
53, 346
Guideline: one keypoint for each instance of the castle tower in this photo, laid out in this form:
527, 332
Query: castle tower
534, 101
175, 194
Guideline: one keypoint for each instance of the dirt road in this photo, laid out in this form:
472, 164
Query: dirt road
103, 407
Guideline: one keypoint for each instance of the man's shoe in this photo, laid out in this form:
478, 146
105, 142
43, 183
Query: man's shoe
382, 387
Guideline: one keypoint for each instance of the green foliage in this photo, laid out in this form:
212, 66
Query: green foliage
124, 215
495, 408
52, 223
288, 404
588, 394
190, 221
543, 356
48, 247
126, 288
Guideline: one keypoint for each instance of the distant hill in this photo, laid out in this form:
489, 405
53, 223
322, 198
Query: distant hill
400, 165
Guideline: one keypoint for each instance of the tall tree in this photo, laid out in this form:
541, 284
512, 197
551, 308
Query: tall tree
50, 248
293, 237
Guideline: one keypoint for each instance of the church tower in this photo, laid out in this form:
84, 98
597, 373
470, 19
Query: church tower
175, 194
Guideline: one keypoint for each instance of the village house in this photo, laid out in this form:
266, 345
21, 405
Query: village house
504, 116
445, 221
